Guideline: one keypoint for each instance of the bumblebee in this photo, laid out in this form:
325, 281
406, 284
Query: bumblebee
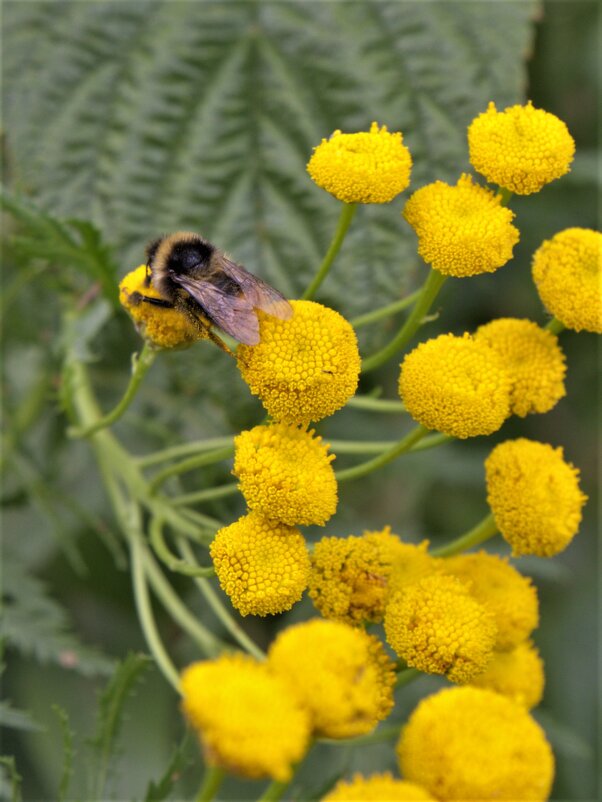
196, 278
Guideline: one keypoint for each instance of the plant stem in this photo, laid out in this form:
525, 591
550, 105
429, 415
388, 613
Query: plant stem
191, 464
347, 212
183, 450
555, 326
384, 311
396, 450
218, 608
205, 495
165, 555
406, 676
376, 404
147, 620
506, 195
378, 446
274, 791
140, 366
428, 293
484, 530
212, 780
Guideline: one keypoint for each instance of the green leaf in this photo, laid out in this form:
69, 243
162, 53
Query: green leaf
157, 792
68, 752
17, 719
110, 715
157, 116
10, 779
36, 625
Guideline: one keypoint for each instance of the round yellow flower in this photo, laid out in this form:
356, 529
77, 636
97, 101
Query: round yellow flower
247, 719
377, 788
567, 271
533, 359
455, 385
534, 496
367, 167
521, 148
262, 565
506, 593
164, 327
517, 674
305, 368
470, 743
286, 474
339, 673
436, 626
463, 230
349, 578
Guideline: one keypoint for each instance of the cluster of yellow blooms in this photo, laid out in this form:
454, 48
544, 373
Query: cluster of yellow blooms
470, 617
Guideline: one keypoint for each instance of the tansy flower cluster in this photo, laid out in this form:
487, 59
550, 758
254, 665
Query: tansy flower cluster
365, 167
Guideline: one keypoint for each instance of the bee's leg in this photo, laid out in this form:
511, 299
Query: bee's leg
137, 297
220, 343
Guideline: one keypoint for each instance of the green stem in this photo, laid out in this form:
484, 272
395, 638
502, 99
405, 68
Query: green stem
190, 464
378, 446
205, 495
218, 608
171, 561
376, 404
212, 780
364, 468
428, 293
506, 195
183, 450
140, 366
484, 530
384, 311
147, 620
347, 212
406, 676
555, 326
274, 791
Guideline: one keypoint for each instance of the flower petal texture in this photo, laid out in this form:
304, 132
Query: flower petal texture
533, 359
377, 788
521, 148
474, 744
366, 167
305, 368
339, 673
262, 565
517, 673
506, 593
350, 576
164, 327
456, 385
436, 626
285, 473
534, 496
567, 271
247, 719
462, 230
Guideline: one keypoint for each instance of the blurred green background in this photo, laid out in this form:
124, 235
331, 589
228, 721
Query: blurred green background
146, 117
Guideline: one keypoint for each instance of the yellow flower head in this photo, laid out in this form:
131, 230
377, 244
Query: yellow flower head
506, 593
533, 359
285, 473
164, 327
470, 743
262, 565
436, 626
517, 674
305, 368
463, 230
248, 721
349, 578
455, 385
520, 148
534, 496
339, 673
377, 788
567, 271
367, 167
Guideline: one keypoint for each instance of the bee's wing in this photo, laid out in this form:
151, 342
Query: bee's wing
260, 293
234, 314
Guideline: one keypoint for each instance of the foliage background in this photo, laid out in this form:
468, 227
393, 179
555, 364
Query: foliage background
146, 117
